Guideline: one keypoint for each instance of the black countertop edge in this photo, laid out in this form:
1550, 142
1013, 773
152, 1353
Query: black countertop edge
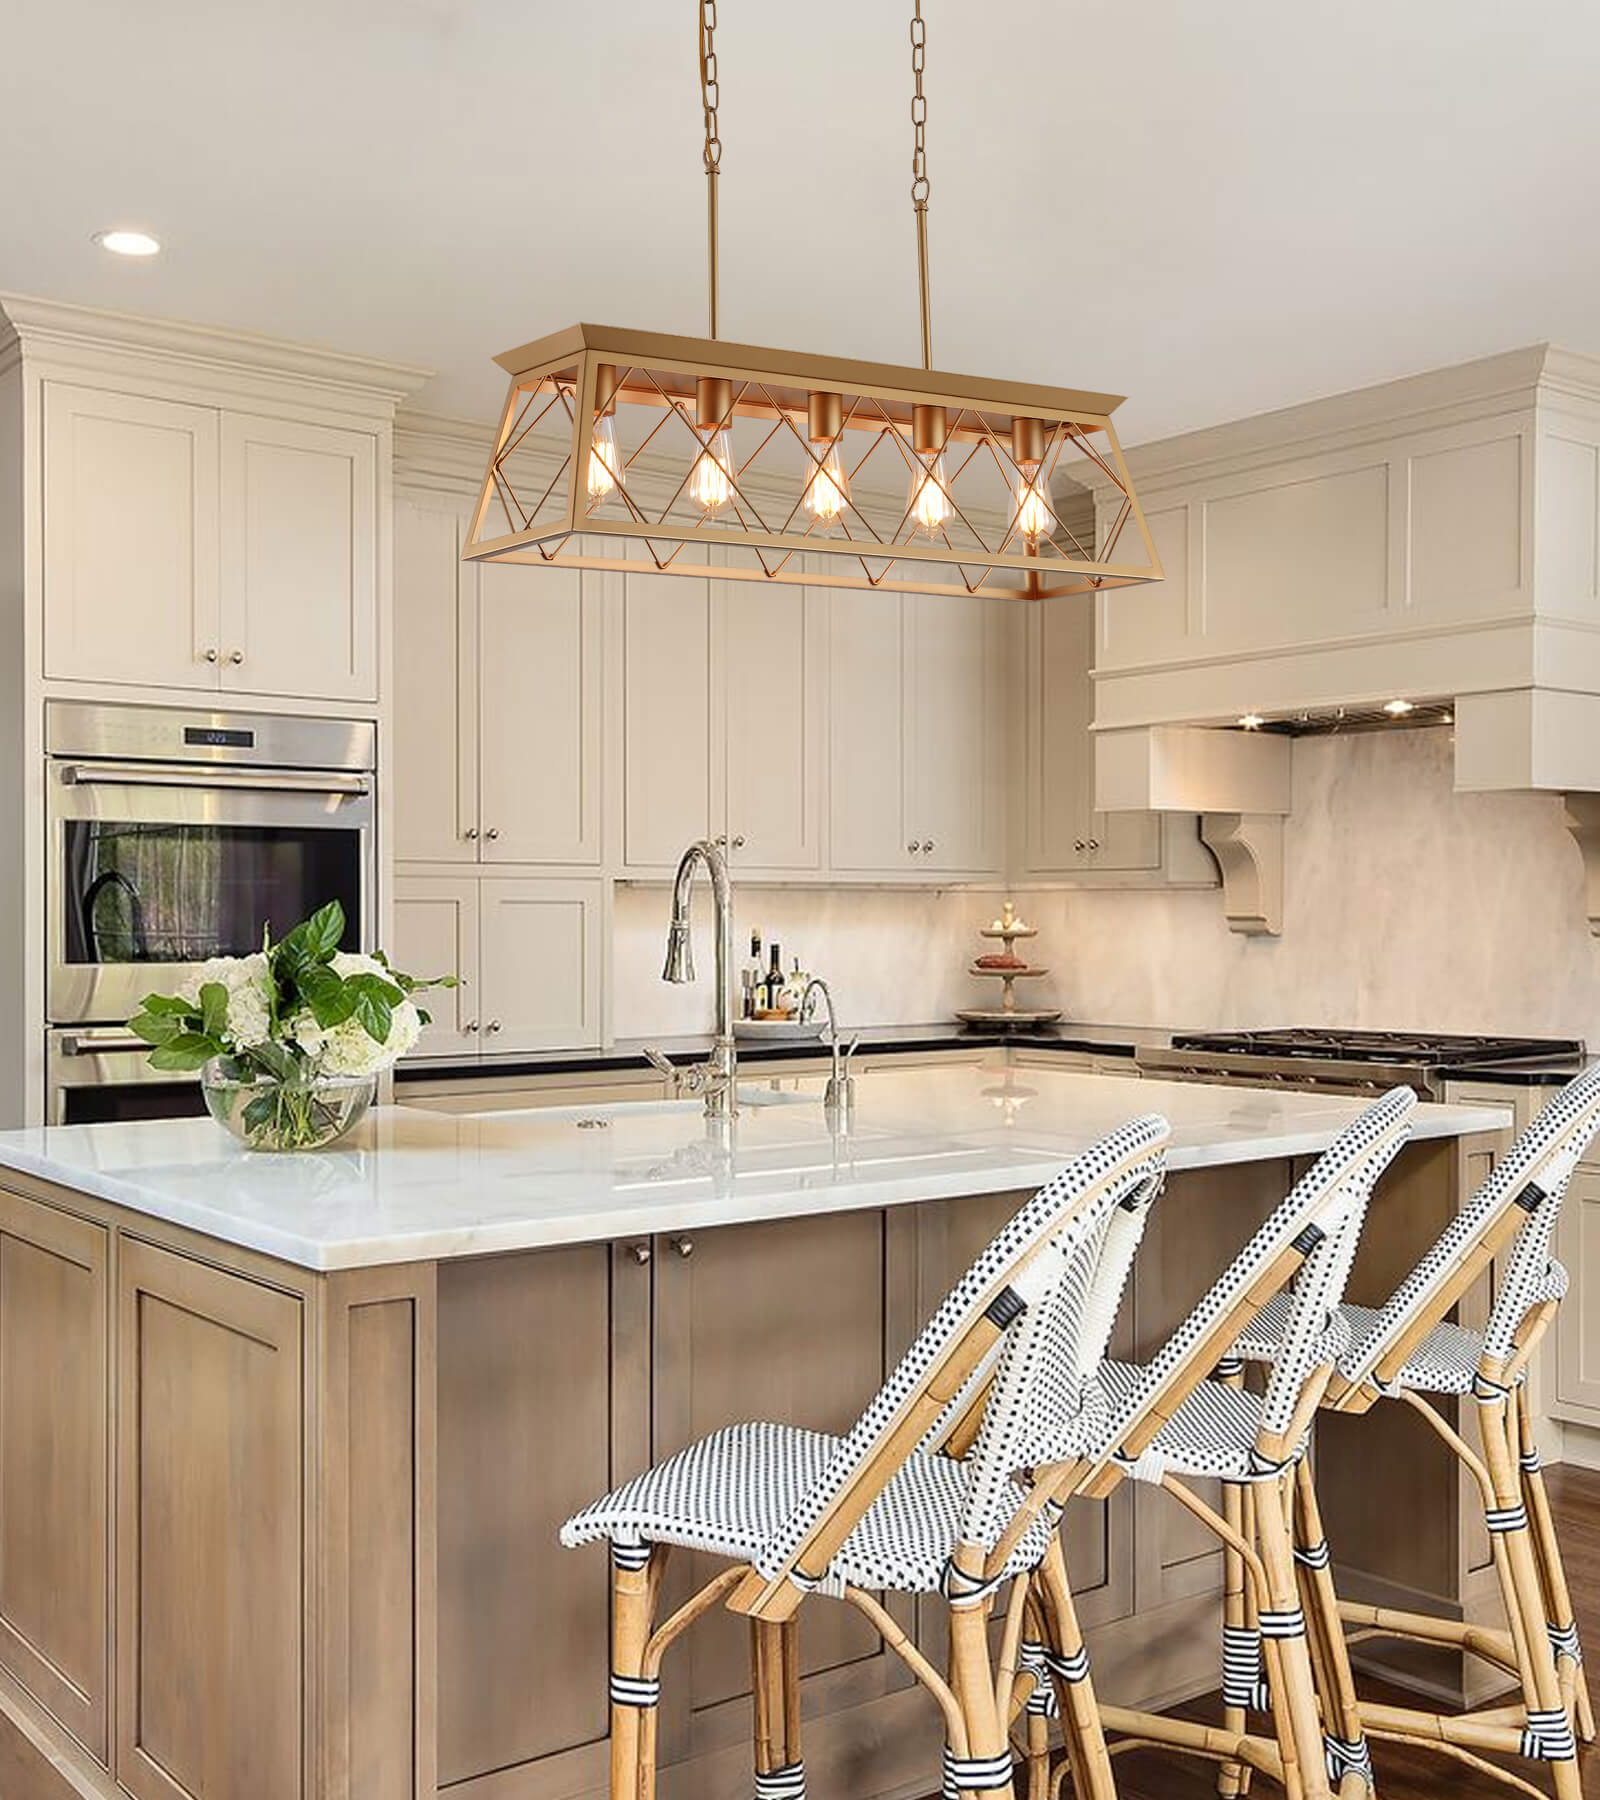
1538, 1072
886, 1040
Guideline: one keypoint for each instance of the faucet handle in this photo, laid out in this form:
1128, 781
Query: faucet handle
664, 1065
851, 1048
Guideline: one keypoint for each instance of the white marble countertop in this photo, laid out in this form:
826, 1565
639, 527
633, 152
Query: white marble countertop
411, 1185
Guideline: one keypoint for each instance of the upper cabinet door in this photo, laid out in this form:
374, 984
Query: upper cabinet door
434, 756
955, 673
299, 564
868, 828
668, 788
540, 735
774, 671
130, 539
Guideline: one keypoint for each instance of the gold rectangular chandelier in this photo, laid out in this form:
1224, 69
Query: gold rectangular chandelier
802, 468
716, 459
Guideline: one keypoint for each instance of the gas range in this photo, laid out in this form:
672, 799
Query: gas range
1348, 1062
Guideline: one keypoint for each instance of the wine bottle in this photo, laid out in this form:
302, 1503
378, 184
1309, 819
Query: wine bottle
773, 986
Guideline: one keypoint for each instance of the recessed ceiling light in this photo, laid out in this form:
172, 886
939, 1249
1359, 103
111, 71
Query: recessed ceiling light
128, 243
1251, 721
1397, 709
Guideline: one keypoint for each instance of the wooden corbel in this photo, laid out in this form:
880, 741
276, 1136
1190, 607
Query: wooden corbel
1249, 851
1583, 821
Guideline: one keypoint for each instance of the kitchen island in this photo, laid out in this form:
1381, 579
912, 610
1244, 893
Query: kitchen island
284, 1441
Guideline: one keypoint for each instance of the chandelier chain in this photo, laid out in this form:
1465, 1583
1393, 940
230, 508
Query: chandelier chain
919, 171
710, 97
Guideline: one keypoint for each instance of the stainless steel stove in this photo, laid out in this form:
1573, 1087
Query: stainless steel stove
1344, 1062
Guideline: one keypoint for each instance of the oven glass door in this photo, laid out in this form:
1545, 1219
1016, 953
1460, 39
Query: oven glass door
152, 880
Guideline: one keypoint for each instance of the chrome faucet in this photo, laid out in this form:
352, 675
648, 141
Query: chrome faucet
717, 1077
840, 1093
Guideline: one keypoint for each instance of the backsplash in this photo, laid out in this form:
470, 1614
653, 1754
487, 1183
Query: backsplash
1406, 905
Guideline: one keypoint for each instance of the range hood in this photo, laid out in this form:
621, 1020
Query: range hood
1432, 541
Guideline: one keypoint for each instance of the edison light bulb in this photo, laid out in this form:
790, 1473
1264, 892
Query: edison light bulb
605, 469
1032, 510
711, 484
928, 503
827, 491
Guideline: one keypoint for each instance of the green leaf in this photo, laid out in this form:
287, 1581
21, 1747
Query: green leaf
155, 1028
324, 931
258, 1112
331, 998
278, 1060
424, 1017
172, 1005
375, 1013
187, 1051
213, 1009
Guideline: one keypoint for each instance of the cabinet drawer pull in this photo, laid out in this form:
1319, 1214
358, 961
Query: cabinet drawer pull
640, 1253
684, 1246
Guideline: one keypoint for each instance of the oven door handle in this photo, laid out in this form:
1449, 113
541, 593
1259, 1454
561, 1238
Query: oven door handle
264, 781
100, 1043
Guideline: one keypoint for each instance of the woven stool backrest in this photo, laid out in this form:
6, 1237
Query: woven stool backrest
1020, 1268
1311, 1234
1527, 1184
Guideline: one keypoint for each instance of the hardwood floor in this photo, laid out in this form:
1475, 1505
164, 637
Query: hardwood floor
1405, 1774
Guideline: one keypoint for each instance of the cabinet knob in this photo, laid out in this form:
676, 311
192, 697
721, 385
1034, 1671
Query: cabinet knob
210, 656
236, 657
492, 1026
492, 833
470, 833
913, 846
640, 1253
721, 842
684, 1246
738, 842
1094, 843
470, 1026
1079, 844
927, 843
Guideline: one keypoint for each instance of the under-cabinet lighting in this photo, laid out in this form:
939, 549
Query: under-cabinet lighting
1251, 721
1397, 709
128, 243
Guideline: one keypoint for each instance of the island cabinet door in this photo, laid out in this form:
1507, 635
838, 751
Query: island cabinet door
798, 1321
54, 1488
543, 1405
210, 1536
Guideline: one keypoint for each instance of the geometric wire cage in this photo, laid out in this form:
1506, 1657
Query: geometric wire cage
796, 468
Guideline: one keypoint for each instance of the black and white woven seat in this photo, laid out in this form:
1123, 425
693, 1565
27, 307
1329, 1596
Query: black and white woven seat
1409, 1347
922, 1495
1168, 1423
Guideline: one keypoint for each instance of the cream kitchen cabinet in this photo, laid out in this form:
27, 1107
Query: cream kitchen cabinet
916, 743
197, 547
499, 685
724, 708
530, 953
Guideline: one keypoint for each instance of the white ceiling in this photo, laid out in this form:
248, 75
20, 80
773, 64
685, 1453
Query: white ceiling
1215, 208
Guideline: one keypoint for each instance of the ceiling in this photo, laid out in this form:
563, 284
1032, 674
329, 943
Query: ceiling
1213, 209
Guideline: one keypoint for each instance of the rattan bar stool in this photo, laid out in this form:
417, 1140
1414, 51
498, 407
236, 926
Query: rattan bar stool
1169, 1423
1409, 1349
1002, 1366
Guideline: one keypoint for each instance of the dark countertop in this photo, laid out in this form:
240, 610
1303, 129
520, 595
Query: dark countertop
876, 1040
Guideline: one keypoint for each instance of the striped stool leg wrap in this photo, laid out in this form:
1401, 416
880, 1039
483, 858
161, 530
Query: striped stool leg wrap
631, 1556
1287, 1624
1529, 1462
1548, 1737
1070, 1669
1033, 1660
963, 1590
1487, 1392
1564, 1641
1347, 1756
635, 1690
1228, 1369
1506, 1518
975, 1774
787, 1783
1244, 1675
1313, 1556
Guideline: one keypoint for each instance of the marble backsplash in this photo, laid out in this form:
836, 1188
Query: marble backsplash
1406, 905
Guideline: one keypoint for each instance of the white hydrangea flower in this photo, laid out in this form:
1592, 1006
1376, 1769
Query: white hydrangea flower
348, 1050
249, 1017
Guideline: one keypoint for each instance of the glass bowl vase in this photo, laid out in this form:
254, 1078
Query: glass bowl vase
305, 1112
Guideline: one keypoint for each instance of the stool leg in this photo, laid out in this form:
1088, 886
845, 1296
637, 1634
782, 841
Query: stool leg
1283, 1631
1081, 1730
1549, 1733
972, 1683
635, 1578
1233, 1779
775, 1691
1348, 1751
1547, 1550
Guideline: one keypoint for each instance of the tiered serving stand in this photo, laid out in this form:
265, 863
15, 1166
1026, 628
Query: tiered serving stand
1007, 930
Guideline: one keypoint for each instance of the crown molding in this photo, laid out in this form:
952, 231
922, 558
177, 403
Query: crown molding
41, 326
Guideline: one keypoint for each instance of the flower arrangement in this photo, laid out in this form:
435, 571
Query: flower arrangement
290, 1040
